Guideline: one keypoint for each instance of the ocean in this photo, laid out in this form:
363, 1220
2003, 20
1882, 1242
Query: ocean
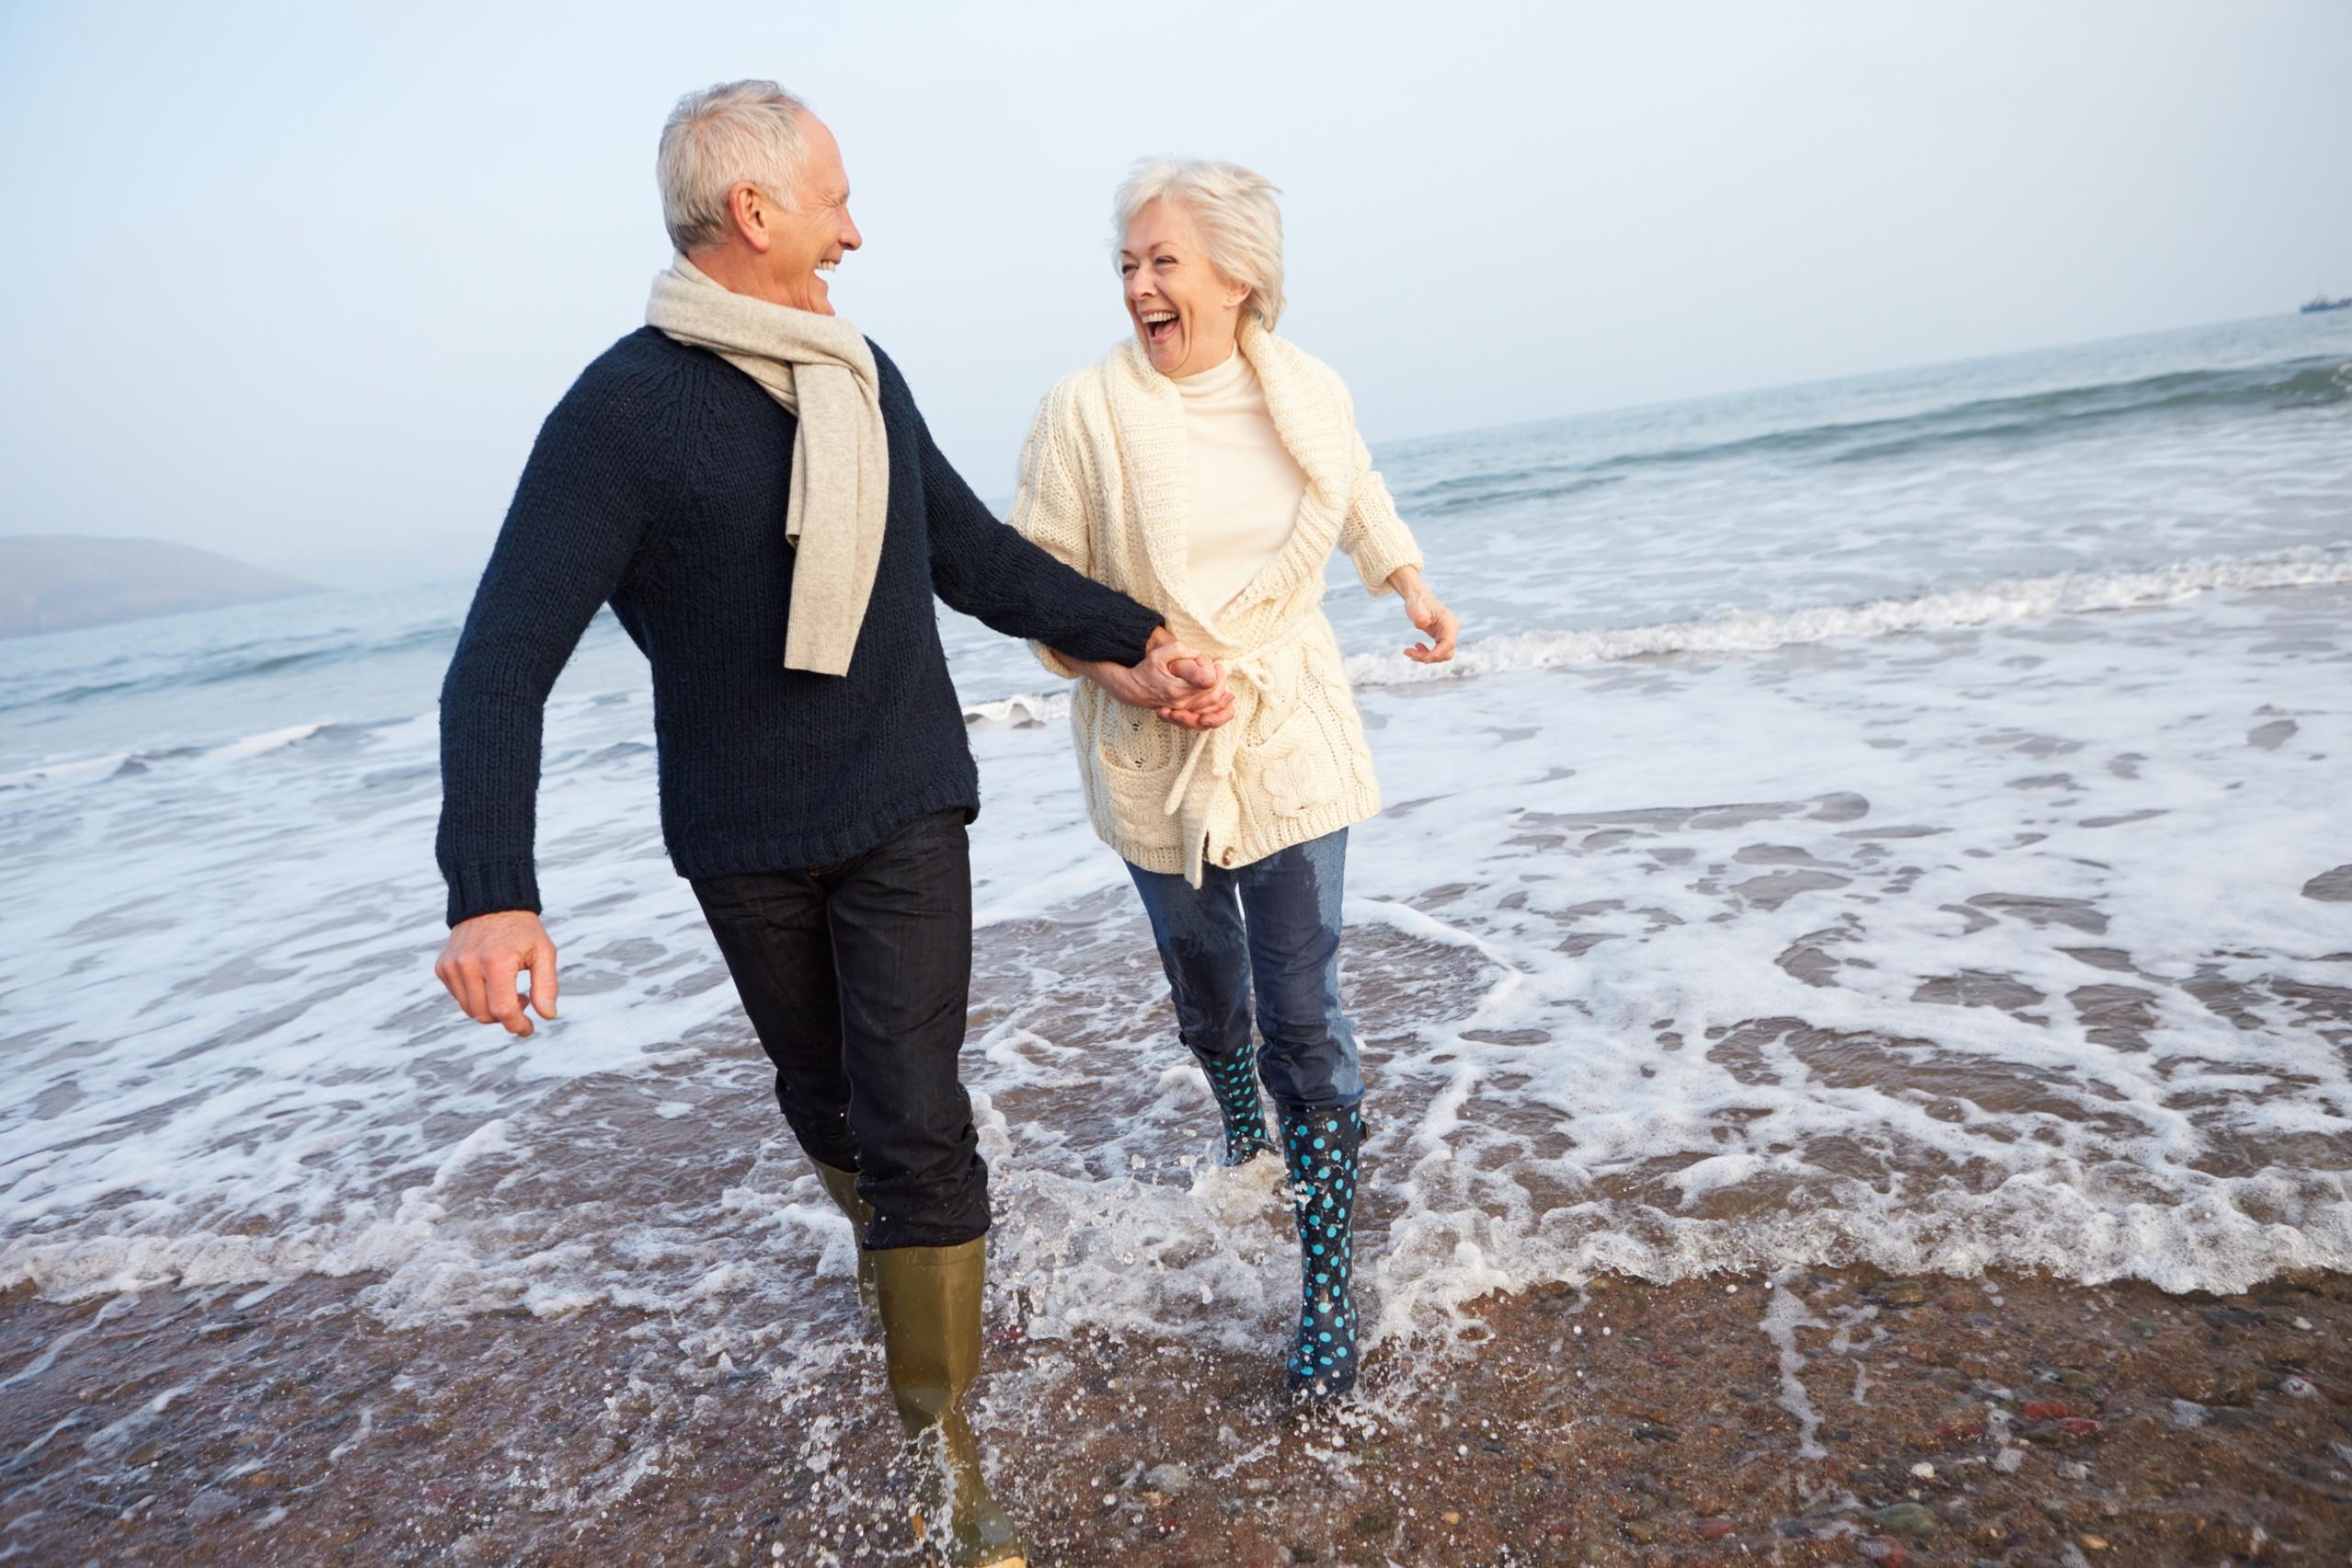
1895, 821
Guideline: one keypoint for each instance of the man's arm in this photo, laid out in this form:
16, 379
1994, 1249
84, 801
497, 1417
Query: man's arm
1051, 510
579, 514
988, 571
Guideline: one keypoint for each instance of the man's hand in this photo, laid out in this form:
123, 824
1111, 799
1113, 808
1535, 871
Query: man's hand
482, 956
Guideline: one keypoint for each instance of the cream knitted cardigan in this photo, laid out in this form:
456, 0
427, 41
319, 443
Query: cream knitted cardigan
1104, 487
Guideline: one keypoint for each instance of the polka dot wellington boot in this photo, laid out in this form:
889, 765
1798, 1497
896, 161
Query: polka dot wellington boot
1319, 1152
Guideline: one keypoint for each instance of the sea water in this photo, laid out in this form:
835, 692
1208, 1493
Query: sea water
1895, 820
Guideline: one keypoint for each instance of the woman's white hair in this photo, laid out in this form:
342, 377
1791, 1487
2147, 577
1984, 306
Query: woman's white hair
716, 140
1241, 222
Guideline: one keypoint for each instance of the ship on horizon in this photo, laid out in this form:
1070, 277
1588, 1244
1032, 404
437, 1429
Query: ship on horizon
2321, 302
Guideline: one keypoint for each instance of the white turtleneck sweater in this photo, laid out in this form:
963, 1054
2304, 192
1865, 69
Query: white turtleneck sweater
1106, 485
1246, 486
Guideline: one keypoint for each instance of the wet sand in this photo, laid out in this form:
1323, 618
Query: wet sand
728, 1406
1841, 1416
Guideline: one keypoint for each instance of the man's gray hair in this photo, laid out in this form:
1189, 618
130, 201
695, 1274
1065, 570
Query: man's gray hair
1241, 222
716, 140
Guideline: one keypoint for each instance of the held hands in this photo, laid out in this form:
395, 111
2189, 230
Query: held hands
1184, 688
1422, 608
482, 956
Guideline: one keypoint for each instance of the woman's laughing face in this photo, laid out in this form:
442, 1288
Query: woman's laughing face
1186, 314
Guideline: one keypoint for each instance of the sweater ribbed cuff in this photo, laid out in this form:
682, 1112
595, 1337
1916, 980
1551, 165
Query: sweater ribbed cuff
1381, 560
483, 887
1122, 637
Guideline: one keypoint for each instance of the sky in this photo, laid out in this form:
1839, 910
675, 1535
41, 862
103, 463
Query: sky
298, 282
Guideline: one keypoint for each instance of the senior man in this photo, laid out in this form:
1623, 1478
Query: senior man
747, 482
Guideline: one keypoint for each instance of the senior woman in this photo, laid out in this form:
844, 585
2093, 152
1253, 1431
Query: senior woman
1207, 468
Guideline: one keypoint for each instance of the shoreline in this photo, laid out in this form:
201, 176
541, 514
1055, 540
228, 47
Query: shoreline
1705, 1422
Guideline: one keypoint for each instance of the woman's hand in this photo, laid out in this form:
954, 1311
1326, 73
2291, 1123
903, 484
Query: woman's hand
1423, 609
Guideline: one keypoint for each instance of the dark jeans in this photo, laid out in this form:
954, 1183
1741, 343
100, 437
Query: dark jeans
856, 977
1275, 922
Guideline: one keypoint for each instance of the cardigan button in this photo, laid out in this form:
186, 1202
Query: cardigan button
1225, 859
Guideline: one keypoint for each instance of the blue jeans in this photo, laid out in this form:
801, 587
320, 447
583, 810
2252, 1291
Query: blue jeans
1274, 923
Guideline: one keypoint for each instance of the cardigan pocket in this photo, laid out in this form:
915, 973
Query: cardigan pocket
1131, 740
1298, 767
1138, 804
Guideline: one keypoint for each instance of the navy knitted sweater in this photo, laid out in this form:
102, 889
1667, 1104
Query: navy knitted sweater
658, 486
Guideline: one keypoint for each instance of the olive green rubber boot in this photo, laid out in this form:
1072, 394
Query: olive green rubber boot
841, 1187
931, 1333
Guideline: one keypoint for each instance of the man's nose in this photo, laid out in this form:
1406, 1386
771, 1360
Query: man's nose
851, 239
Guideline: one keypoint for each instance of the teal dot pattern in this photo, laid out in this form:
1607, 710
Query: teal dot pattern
1319, 1153
1233, 1079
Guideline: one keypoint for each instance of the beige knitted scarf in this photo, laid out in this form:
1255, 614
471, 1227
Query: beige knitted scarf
822, 369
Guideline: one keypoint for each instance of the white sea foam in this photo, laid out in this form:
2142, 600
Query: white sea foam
80, 769
255, 745
2016, 599
1029, 708
1749, 631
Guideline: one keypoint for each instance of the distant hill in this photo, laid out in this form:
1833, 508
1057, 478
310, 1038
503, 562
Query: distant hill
54, 582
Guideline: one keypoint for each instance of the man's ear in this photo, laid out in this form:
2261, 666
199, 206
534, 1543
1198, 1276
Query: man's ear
749, 210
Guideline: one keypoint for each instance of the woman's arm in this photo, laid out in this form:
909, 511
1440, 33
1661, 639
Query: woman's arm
1372, 533
1387, 558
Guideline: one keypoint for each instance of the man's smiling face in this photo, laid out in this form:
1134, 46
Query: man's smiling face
805, 246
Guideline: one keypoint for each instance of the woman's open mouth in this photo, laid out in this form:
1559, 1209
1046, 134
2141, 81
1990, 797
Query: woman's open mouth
1159, 326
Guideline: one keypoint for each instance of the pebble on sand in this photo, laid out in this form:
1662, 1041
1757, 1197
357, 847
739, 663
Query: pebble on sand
1904, 1518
